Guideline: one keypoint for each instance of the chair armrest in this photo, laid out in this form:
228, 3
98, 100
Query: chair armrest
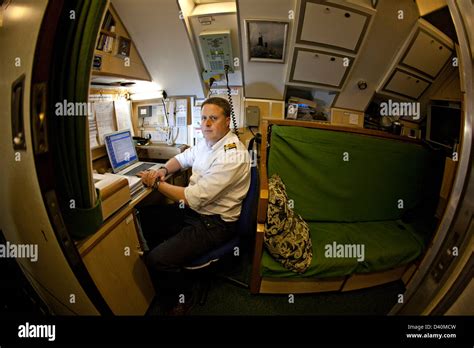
263, 196
255, 278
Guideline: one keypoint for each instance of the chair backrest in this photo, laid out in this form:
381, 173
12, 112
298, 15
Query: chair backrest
248, 216
246, 225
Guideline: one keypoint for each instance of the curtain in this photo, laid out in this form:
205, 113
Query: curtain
68, 132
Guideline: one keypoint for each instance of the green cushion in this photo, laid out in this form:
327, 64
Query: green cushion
387, 244
379, 172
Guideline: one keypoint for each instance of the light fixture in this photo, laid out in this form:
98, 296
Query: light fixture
146, 95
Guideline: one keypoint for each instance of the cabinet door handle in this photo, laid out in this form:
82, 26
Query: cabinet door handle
17, 123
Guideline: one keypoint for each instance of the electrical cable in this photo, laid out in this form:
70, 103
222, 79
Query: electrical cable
166, 113
211, 82
251, 131
229, 96
169, 132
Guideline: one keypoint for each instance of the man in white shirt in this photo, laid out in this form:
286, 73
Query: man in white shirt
208, 208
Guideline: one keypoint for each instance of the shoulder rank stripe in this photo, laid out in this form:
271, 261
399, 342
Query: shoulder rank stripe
230, 146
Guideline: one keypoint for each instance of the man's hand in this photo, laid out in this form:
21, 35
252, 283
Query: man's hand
150, 176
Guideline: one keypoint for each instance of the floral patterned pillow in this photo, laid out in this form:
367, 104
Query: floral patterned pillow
287, 236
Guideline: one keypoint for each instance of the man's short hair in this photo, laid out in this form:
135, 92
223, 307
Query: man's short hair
222, 103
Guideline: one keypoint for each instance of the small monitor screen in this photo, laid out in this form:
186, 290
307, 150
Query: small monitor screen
445, 125
121, 150
145, 111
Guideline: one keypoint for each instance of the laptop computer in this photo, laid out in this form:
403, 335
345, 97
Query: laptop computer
123, 156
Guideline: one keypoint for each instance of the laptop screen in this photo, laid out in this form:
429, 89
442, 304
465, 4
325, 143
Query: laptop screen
121, 150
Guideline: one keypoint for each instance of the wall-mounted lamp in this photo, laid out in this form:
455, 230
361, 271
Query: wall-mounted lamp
362, 84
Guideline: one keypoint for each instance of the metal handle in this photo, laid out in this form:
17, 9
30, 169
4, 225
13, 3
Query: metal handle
18, 126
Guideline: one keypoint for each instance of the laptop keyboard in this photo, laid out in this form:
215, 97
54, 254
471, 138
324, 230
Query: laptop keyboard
141, 167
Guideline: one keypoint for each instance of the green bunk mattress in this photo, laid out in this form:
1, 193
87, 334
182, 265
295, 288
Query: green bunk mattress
385, 247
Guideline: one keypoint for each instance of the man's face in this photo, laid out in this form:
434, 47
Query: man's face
214, 123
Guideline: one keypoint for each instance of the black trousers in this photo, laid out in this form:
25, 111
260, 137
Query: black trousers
176, 236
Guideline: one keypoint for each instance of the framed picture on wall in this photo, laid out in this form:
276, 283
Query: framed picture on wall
97, 62
266, 40
123, 49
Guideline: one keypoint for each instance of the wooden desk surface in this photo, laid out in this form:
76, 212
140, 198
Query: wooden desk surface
86, 244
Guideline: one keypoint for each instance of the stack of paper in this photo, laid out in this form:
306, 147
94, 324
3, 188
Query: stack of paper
93, 131
104, 115
134, 182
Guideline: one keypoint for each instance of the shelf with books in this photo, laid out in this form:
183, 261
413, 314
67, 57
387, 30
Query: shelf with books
105, 43
115, 53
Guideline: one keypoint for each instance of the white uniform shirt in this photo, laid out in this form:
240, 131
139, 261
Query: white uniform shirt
220, 179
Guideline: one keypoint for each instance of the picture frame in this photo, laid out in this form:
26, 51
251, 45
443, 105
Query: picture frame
266, 40
123, 48
97, 62
292, 113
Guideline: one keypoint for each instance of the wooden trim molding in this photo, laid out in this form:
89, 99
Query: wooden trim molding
325, 125
256, 278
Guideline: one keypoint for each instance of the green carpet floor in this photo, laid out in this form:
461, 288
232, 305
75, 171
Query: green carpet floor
225, 298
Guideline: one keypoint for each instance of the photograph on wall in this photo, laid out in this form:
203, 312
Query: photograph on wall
124, 47
266, 40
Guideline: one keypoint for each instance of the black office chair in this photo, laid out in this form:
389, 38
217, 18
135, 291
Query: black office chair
246, 228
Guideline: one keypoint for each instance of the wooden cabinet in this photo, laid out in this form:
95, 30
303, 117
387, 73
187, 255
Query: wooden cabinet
117, 269
347, 118
115, 53
406, 84
319, 68
426, 54
331, 25
327, 42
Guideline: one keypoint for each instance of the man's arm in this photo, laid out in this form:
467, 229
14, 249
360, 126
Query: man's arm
149, 176
172, 166
175, 193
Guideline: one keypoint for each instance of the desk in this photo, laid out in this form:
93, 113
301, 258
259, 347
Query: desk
112, 256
